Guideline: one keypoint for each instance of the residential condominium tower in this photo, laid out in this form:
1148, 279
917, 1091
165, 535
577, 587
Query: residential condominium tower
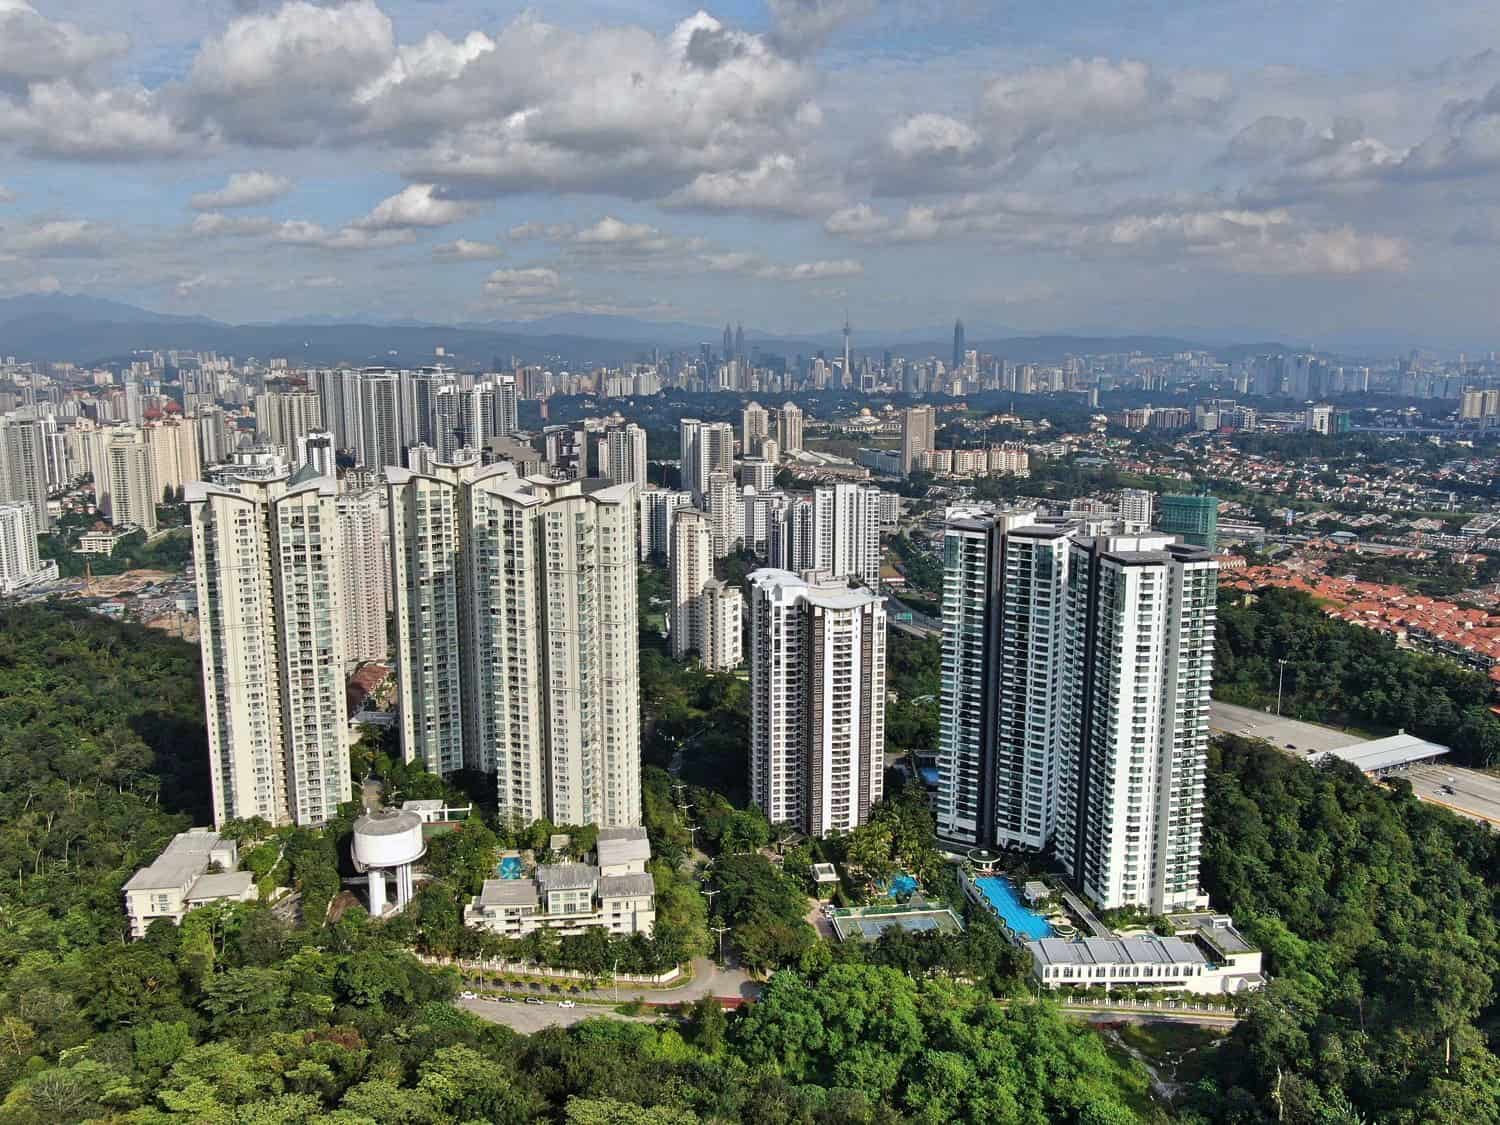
516, 636
705, 611
817, 691
1076, 674
268, 560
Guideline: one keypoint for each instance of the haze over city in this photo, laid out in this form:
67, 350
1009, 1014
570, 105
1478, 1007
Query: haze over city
1315, 173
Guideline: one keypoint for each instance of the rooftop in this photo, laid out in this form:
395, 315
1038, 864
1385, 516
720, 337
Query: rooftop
1148, 949
613, 852
180, 862
1385, 753
229, 884
623, 886
507, 892
567, 876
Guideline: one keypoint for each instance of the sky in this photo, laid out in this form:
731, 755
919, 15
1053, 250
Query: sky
1326, 173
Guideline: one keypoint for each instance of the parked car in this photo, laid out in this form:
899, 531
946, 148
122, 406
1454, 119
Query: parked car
467, 995
535, 1000
567, 1004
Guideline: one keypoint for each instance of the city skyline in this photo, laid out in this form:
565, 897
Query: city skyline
767, 164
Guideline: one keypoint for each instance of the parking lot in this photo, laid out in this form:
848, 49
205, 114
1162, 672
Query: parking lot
1475, 795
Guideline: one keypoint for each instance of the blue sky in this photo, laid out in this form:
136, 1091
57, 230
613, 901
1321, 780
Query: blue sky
1327, 173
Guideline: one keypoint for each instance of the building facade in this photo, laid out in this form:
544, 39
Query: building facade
269, 565
817, 687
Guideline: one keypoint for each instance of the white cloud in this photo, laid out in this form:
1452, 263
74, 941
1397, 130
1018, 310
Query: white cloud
243, 189
214, 224
418, 205
299, 232
62, 121
62, 238
930, 135
36, 49
467, 250
812, 271
777, 185
803, 25
523, 284
858, 221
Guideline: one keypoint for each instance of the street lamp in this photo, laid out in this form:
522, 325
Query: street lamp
721, 931
1280, 679
615, 970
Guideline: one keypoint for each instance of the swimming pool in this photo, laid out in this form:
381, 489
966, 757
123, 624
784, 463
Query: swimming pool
1004, 901
510, 867
903, 886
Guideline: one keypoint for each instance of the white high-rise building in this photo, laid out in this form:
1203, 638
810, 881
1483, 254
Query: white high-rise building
174, 454
793, 535
627, 455
268, 559
1003, 594
20, 562
377, 440
706, 613
846, 520
1076, 675
725, 513
755, 429
214, 445
23, 463
789, 428
918, 435
517, 636
1137, 507
132, 481
319, 450
817, 691
657, 506
707, 448
1138, 668
757, 473
281, 417
365, 530
759, 514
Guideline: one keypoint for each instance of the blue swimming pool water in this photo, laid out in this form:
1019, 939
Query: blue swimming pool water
1002, 897
903, 886
510, 867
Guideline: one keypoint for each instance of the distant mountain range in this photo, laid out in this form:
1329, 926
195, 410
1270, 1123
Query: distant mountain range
91, 330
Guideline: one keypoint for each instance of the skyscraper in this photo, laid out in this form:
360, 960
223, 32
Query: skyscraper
728, 353
918, 435
627, 455
657, 506
364, 530
725, 514
755, 428
1076, 675
705, 611
706, 448
848, 376
378, 439
1136, 508
517, 636
846, 527
174, 454
132, 485
23, 464
789, 428
20, 561
1003, 590
959, 348
1137, 673
268, 560
1195, 518
282, 417
739, 342
817, 710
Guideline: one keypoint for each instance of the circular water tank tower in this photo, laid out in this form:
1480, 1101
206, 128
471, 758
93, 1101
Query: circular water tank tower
386, 843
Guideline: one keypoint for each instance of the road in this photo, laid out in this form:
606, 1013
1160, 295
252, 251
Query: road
729, 983
1475, 795
1288, 734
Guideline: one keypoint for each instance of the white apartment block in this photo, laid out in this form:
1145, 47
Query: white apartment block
364, 527
133, 494
626, 447
706, 448
23, 463
757, 473
517, 636
725, 513
918, 435
657, 508
20, 563
846, 525
1138, 662
281, 417
817, 687
755, 429
1137, 507
270, 576
788, 428
706, 613
174, 454
1076, 675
